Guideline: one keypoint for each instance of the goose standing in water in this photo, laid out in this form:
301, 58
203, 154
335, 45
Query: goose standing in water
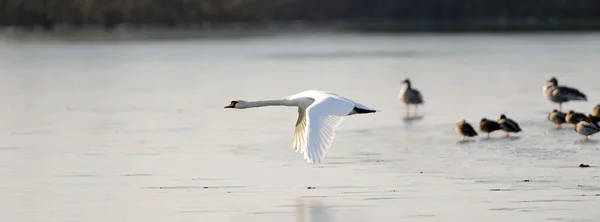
465, 129
573, 117
557, 118
586, 128
508, 125
561, 94
319, 115
410, 96
488, 126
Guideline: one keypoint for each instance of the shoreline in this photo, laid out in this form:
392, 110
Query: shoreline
246, 29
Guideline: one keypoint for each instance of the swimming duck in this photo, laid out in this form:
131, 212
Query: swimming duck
508, 125
561, 94
557, 118
488, 126
410, 96
465, 129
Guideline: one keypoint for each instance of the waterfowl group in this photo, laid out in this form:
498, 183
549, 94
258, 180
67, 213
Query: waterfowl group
321, 112
488, 126
585, 125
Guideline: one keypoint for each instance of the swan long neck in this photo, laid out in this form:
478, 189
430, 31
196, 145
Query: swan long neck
274, 102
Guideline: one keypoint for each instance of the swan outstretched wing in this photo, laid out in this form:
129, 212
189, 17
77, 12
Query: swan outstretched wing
322, 118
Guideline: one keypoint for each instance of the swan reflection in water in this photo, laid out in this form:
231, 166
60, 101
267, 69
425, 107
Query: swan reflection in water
310, 210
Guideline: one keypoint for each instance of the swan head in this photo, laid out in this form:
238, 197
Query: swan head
553, 81
237, 104
502, 116
407, 81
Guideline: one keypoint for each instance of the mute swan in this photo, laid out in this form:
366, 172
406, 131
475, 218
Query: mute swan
586, 127
508, 125
409, 96
465, 129
557, 118
488, 126
319, 115
561, 94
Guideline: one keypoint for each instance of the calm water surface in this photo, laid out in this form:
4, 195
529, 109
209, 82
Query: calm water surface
136, 130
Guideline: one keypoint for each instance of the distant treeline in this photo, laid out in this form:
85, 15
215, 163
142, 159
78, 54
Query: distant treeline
110, 13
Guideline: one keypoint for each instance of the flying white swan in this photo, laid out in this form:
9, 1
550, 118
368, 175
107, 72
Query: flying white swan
319, 114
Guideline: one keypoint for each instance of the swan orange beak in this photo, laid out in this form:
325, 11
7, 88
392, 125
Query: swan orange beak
231, 105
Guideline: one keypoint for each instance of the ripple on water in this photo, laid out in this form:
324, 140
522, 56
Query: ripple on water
195, 187
550, 201
138, 175
8, 148
34, 132
77, 175
143, 154
421, 215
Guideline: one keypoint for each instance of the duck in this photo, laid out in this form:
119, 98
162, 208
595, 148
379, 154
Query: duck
573, 117
561, 94
319, 115
596, 111
465, 129
557, 118
508, 125
586, 128
410, 96
488, 126
595, 115
593, 118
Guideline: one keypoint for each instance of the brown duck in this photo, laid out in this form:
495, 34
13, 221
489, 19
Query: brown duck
596, 111
488, 126
465, 129
587, 127
573, 117
557, 118
508, 125
595, 116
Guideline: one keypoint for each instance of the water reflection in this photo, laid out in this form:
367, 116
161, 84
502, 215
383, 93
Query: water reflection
311, 210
